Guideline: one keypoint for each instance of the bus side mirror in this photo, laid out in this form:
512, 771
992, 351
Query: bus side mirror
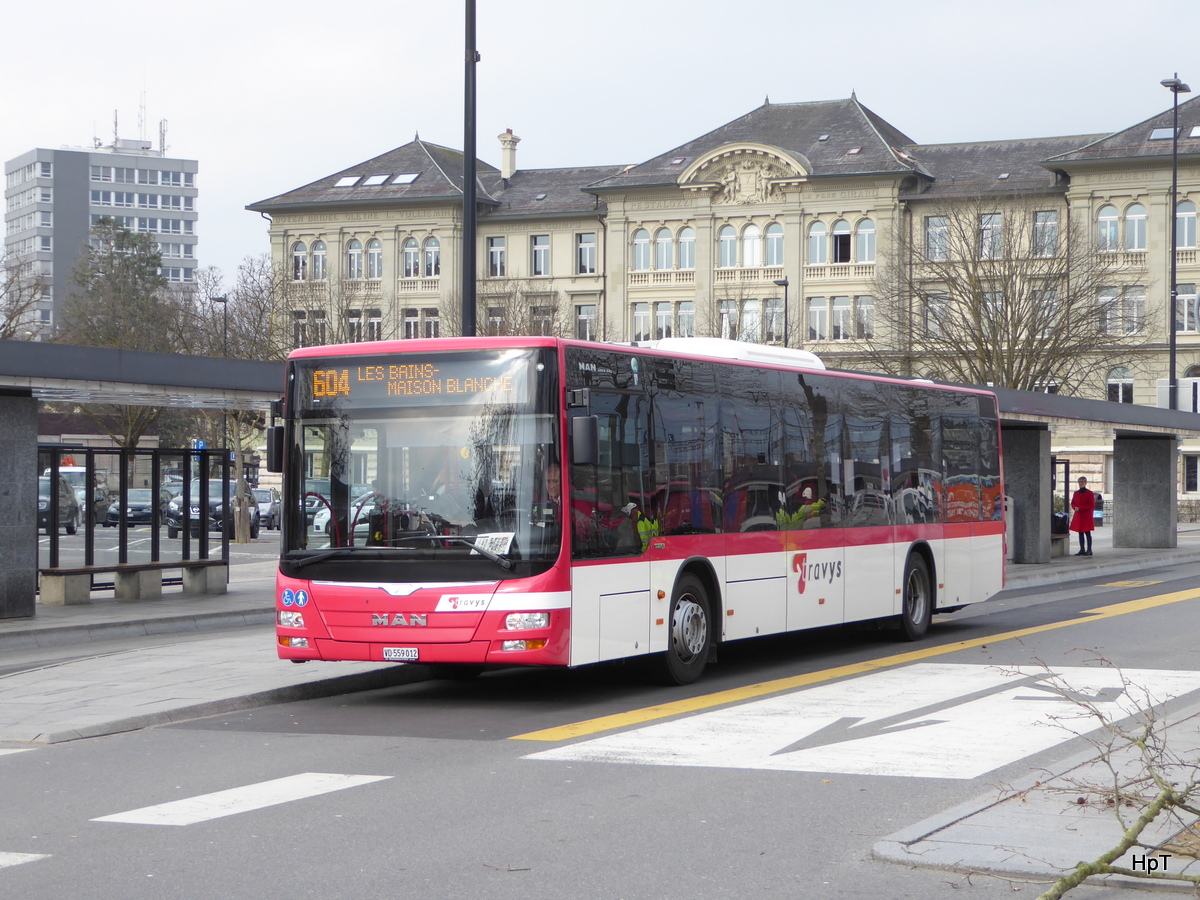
275, 448
585, 440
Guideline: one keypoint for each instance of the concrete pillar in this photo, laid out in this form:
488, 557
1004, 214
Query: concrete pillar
1027, 482
18, 490
1144, 491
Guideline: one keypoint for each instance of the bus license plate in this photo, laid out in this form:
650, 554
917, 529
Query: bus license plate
400, 654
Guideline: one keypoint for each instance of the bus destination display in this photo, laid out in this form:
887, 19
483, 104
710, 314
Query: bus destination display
384, 381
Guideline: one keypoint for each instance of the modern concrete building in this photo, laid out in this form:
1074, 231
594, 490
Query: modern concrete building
52, 197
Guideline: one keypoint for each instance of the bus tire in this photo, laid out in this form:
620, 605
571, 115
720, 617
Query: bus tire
917, 611
690, 639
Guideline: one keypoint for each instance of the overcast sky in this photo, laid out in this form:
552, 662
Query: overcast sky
270, 95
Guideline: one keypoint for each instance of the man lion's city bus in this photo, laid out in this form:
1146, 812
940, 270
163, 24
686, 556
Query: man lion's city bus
476, 502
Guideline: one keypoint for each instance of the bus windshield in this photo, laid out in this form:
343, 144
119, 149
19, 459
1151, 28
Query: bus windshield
441, 458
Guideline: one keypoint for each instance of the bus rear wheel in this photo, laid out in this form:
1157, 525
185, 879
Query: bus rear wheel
691, 632
918, 599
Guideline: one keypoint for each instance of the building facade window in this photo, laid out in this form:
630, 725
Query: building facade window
1185, 226
1185, 307
991, 235
585, 254
663, 321
774, 257
411, 253
727, 247
641, 321
354, 259
412, 324
664, 250
686, 324
495, 257
817, 244
864, 252
840, 244
864, 317
641, 250
937, 238
773, 320
818, 319
687, 249
432, 252
299, 261
1107, 229
751, 322
1045, 233
727, 320
431, 322
319, 261
1122, 310
374, 260
539, 255
585, 322
841, 319
752, 247
1135, 227
1120, 386
1191, 474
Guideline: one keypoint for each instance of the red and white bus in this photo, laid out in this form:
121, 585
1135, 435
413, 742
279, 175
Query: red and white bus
473, 502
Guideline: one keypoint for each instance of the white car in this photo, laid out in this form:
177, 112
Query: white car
360, 511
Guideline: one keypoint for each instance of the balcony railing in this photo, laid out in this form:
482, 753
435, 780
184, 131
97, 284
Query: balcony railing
419, 285
665, 276
836, 271
761, 274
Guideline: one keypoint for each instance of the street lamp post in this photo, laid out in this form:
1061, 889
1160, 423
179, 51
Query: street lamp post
1176, 87
783, 283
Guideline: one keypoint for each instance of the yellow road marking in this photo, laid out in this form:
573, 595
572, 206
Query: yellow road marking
1128, 583
749, 692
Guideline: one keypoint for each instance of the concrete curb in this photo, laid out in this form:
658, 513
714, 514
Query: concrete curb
49, 636
363, 681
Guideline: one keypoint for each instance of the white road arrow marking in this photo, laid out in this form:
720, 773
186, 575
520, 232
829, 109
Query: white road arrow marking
15, 859
241, 799
924, 721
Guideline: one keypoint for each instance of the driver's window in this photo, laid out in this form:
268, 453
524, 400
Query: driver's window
608, 499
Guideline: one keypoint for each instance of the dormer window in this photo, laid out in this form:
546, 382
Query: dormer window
347, 181
406, 178
373, 180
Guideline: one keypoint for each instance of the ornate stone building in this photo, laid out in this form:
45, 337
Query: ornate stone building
795, 222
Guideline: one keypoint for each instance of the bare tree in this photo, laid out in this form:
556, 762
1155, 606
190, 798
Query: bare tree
21, 289
333, 311
1000, 290
516, 306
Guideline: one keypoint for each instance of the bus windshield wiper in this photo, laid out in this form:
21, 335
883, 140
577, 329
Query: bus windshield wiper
317, 556
458, 539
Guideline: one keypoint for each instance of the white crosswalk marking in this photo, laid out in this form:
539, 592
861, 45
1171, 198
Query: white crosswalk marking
15, 859
15, 750
241, 799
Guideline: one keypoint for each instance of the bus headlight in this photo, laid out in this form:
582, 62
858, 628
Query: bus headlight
525, 621
535, 644
291, 619
294, 643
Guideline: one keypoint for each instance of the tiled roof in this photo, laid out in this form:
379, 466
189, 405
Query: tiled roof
561, 191
992, 166
821, 134
1136, 142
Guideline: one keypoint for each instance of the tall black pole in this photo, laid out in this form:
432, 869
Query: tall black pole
468, 214
1171, 211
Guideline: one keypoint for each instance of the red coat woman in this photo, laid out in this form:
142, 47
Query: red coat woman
1083, 520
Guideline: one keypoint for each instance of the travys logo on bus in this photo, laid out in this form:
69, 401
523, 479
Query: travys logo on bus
815, 571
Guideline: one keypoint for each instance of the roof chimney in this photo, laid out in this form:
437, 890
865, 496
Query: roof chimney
508, 153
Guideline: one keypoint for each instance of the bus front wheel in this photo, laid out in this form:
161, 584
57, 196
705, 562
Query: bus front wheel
918, 599
691, 632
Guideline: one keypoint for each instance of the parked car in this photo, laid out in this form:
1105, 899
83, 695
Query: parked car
95, 505
69, 516
215, 509
269, 506
139, 508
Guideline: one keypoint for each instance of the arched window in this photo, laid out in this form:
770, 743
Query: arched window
433, 257
727, 247
299, 261
641, 250
774, 245
354, 259
865, 251
1135, 227
1185, 226
1120, 386
752, 247
319, 268
817, 244
664, 250
687, 249
412, 258
374, 260
841, 242
1106, 229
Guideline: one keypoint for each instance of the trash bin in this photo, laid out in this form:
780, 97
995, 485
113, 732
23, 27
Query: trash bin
1060, 523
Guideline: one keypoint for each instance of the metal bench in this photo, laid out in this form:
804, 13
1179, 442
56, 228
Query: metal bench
70, 586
